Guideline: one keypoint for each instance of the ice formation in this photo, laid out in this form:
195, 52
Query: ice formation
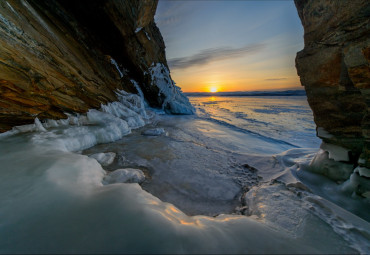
54, 201
174, 101
128, 175
323, 164
335, 152
142, 98
113, 62
358, 182
153, 132
81, 131
104, 159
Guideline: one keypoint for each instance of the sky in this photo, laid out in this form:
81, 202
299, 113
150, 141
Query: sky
231, 45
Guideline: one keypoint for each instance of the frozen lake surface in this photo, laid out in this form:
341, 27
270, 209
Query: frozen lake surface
231, 179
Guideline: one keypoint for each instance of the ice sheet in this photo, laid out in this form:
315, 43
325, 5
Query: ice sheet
53, 200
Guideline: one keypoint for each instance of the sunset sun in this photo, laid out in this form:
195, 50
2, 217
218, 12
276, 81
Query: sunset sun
213, 89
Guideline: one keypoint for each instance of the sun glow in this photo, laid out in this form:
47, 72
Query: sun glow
213, 89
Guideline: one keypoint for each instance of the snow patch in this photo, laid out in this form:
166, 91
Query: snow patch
137, 30
147, 36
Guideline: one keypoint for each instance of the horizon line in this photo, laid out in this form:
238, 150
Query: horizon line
248, 91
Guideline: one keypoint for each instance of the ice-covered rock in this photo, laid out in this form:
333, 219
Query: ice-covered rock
359, 182
335, 152
104, 159
153, 132
175, 102
113, 62
128, 175
322, 164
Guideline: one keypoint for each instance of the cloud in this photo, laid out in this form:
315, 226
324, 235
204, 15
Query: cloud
213, 54
170, 13
276, 79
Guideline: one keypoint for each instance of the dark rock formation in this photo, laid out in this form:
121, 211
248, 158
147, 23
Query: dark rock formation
334, 69
59, 56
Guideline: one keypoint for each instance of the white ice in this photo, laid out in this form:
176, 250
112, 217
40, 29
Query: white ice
335, 152
128, 175
153, 132
113, 62
104, 159
175, 102
53, 200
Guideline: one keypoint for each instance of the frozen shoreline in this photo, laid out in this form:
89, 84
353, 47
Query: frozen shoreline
59, 198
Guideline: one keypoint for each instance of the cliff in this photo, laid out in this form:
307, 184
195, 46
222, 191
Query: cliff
334, 69
63, 56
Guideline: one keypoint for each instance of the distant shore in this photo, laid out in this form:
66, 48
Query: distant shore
248, 93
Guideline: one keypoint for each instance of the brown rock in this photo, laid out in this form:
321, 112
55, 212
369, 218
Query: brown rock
55, 56
334, 69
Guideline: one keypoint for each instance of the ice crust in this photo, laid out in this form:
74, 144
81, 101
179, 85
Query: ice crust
174, 101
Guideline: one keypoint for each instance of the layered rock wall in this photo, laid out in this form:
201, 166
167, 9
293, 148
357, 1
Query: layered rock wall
61, 56
335, 71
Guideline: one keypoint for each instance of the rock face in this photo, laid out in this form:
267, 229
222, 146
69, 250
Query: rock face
334, 69
61, 56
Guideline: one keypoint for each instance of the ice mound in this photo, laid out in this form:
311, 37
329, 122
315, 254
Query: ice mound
335, 152
128, 175
104, 159
323, 164
358, 182
153, 132
175, 102
266, 201
81, 131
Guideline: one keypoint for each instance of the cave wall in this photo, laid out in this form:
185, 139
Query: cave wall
334, 69
56, 56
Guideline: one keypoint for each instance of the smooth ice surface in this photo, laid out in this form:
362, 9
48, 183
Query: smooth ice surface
53, 200
287, 119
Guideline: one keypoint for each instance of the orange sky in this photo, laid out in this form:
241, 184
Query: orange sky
231, 45
235, 76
